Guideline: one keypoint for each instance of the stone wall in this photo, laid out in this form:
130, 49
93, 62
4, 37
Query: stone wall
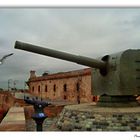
99, 119
14, 120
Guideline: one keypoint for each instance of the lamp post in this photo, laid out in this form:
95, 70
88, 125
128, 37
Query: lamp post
2, 61
14, 88
9, 80
15, 82
25, 85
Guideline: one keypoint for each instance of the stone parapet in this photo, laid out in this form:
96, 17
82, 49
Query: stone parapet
14, 120
89, 117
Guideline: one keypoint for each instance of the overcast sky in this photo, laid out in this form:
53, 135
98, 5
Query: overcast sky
91, 32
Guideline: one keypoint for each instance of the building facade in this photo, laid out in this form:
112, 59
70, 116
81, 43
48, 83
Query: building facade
73, 86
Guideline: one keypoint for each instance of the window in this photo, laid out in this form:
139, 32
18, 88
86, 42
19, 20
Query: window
38, 88
65, 87
65, 97
33, 89
6, 99
93, 99
77, 86
54, 88
46, 88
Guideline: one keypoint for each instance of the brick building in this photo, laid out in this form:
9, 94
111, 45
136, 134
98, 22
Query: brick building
74, 86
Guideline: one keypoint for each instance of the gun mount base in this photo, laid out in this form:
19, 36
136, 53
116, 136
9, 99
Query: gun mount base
117, 101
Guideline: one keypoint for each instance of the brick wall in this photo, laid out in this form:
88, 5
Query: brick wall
6, 101
71, 86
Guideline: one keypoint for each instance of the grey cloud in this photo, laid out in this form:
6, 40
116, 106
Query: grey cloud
91, 32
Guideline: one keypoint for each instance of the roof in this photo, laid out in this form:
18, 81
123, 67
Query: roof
62, 75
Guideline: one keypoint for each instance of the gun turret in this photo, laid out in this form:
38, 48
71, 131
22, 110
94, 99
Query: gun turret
115, 77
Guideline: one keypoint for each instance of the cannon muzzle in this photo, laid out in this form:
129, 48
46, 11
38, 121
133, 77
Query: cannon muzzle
61, 55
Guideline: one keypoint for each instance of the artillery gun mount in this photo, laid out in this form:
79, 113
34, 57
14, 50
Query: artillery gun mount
115, 77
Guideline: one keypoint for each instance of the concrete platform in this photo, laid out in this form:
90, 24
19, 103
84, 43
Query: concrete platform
91, 107
14, 120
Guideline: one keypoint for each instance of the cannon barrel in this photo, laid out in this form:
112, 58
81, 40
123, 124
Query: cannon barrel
61, 55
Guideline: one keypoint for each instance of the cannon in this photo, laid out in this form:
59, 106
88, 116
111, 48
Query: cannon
115, 77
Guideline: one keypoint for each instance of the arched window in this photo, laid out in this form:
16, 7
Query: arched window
77, 86
65, 87
33, 89
38, 88
54, 87
46, 88
65, 97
